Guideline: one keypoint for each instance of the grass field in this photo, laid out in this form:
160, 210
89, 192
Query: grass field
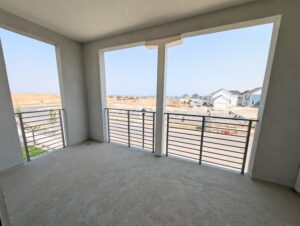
33, 152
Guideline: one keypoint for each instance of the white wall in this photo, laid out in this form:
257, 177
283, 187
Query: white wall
72, 83
278, 146
10, 154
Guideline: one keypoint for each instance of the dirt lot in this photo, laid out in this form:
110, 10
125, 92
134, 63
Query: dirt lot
176, 107
34, 99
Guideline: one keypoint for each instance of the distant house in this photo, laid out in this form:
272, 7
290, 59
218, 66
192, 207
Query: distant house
184, 99
250, 98
223, 98
197, 100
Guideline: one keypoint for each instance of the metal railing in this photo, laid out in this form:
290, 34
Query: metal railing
131, 127
41, 131
215, 140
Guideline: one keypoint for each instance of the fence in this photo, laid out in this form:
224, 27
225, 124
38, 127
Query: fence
131, 127
215, 140
41, 131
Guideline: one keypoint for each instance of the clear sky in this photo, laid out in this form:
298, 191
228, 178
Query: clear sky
234, 60
31, 64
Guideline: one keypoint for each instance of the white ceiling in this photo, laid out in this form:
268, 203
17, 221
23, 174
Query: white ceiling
86, 20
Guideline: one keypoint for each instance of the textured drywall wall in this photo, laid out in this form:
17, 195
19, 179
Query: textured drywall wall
71, 77
278, 145
10, 147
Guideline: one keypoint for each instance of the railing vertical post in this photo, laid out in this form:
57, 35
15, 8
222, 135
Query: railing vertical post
62, 128
246, 146
153, 131
128, 117
143, 114
167, 141
24, 137
202, 137
108, 125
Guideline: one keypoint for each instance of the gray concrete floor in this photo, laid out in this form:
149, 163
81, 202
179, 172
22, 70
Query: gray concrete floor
107, 184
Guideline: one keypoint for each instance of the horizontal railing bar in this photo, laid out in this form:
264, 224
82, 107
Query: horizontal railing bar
45, 128
184, 142
216, 117
27, 127
125, 133
117, 120
185, 129
35, 116
119, 132
118, 109
172, 153
136, 139
37, 134
148, 117
224, 160
185, 124
149, 130
141, 123
221, 164
223, 149
187, 152
119, 141
37, 139
139, 130
43, 143
217, 138
196, 135
119, 124
119, 112
118, 136
175, 145
39, 120
207, 122
27, 112
191, 120
148, 140
184, 138
228, 145
225, 134
119, 127
139, 134
223, 155
244, 131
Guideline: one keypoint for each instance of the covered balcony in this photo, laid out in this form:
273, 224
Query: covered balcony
107, 166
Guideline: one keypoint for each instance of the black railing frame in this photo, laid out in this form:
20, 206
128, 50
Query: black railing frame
61, 113
127, 112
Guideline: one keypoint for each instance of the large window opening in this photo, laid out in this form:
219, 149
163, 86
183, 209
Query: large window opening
218, 78
34, 85
130, 76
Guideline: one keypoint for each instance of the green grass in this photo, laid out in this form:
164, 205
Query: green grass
33, 152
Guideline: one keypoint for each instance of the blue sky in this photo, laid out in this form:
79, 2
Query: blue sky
31, 64
234, 59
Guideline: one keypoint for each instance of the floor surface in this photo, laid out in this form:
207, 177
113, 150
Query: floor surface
107, 184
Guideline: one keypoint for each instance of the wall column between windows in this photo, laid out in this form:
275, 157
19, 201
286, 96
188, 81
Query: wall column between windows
162, 45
